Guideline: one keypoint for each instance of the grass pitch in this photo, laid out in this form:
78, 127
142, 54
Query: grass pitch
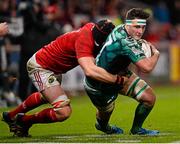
79, 128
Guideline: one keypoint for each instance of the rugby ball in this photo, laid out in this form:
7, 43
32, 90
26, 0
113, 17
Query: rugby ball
146, 48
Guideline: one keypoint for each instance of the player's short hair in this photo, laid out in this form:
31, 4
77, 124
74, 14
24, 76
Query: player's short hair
101, 30
138, 13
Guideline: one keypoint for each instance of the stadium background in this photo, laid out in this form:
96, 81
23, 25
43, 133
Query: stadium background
34, 23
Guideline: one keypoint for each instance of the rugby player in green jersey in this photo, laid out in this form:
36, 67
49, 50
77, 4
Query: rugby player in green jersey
123, 46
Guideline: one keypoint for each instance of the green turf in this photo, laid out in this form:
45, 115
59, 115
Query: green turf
80, 126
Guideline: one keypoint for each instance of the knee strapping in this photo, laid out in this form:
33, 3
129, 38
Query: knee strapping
60, 102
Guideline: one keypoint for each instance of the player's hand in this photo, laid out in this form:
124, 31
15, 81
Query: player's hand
4, 29
154, 50
121, 80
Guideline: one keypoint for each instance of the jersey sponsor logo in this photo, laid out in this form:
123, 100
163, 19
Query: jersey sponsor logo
51, 79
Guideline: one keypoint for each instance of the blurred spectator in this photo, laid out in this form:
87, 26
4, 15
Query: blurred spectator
52, 13
3, 29
8, 97
161, 12
157, 32
57, 11
175, 34
33, 23
36, 33
30, 28
174, 8
53, 10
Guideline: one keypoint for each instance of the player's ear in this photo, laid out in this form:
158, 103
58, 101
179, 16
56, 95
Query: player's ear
101, 30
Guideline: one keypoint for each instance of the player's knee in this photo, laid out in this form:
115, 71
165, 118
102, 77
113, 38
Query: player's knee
151, 100
63, 113
148, 98
62, 107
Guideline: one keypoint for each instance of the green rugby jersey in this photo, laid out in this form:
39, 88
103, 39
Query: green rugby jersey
118, 52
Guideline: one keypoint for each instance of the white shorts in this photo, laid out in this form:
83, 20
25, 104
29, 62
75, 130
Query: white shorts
41, 77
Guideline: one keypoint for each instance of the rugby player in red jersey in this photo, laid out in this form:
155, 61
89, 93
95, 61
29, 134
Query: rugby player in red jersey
47, 65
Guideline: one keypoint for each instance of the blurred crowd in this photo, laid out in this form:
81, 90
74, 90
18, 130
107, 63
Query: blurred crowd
34, 23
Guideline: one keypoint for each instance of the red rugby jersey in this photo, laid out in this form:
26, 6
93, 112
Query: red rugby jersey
61, 54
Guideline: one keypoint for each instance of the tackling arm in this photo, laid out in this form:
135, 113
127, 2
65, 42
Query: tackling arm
98, 73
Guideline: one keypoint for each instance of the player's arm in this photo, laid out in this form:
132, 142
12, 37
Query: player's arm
147, 64
3, 29
98, 73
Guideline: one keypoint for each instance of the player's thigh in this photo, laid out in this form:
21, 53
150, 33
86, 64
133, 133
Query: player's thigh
45, 81
148, 97
53, 92
102, 100
135, 87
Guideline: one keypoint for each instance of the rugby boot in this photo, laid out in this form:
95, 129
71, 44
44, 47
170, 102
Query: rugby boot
11, 122
22, 129
142, 131
109, 129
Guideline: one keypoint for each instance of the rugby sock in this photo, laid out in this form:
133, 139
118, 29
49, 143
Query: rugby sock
103, 119
102, 123
30, 103
142, 111
45, 116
